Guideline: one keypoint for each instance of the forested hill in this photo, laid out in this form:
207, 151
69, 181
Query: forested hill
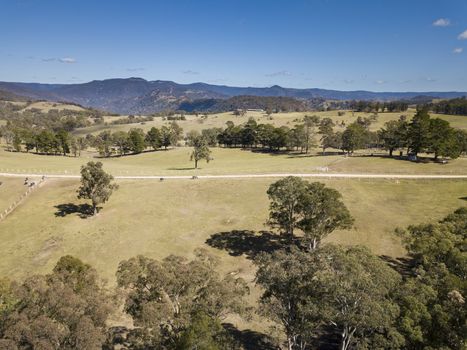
267, 103
139, 96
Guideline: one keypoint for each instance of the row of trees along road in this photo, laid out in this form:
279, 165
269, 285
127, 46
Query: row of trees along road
318, 294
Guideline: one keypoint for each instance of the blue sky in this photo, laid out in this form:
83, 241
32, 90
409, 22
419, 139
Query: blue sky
380, 45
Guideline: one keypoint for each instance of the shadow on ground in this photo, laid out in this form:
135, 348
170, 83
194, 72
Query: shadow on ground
83, 210
249, 243
182, 169
402, 265
250, 340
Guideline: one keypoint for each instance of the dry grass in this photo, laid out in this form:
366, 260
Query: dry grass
226, 161
193, 122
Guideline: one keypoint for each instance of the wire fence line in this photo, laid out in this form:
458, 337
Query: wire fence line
21, 199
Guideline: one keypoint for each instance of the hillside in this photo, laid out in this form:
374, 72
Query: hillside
139, 96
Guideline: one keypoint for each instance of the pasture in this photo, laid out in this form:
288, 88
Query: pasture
225, 161
218, 120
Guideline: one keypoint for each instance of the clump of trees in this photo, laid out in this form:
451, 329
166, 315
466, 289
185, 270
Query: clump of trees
66, 309
377, 106
453, 106
267, 136
44, 142
176, 302
348, 289
424, 134
131, 119
135, 140
432, 300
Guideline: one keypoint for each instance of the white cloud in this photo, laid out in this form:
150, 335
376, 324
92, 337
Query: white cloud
380, 82
67, 60
458, 50
190, 72
282, 73
463, 35
442, 22
48, 59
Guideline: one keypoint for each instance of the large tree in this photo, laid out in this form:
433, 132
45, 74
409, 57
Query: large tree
96, 184
310, 122
394, 135
354, 137
323, 212
285, 208
311, 207
200, 150
326, 129
442, 140
419, 132
136, 140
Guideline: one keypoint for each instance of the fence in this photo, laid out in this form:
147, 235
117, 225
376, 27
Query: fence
15, 204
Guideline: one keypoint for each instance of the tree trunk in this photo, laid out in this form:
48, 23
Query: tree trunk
347, 334
390, 152
94, 208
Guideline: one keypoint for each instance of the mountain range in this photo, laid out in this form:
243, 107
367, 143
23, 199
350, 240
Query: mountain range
140, 96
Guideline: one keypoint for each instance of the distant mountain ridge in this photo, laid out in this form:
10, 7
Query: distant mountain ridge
140, 96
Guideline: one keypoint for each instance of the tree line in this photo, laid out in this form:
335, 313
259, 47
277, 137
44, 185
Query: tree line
316, 293
422, 134
453, 106
377, 106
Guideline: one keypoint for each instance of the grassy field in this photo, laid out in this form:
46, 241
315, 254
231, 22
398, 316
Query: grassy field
176, 216
45, 106
226, 161
10, 190
289, 119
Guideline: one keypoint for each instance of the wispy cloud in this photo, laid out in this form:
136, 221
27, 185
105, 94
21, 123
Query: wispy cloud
429, 79
48, 59
458, 50
67, 60
139, 69
349, 81
190, 72
282, 73
380, 82
463, 35
442, 22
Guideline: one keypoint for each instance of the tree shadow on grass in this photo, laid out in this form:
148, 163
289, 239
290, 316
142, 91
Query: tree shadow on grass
182, 169
463, 198
239, 242
250, 340
83, 210
402, 265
